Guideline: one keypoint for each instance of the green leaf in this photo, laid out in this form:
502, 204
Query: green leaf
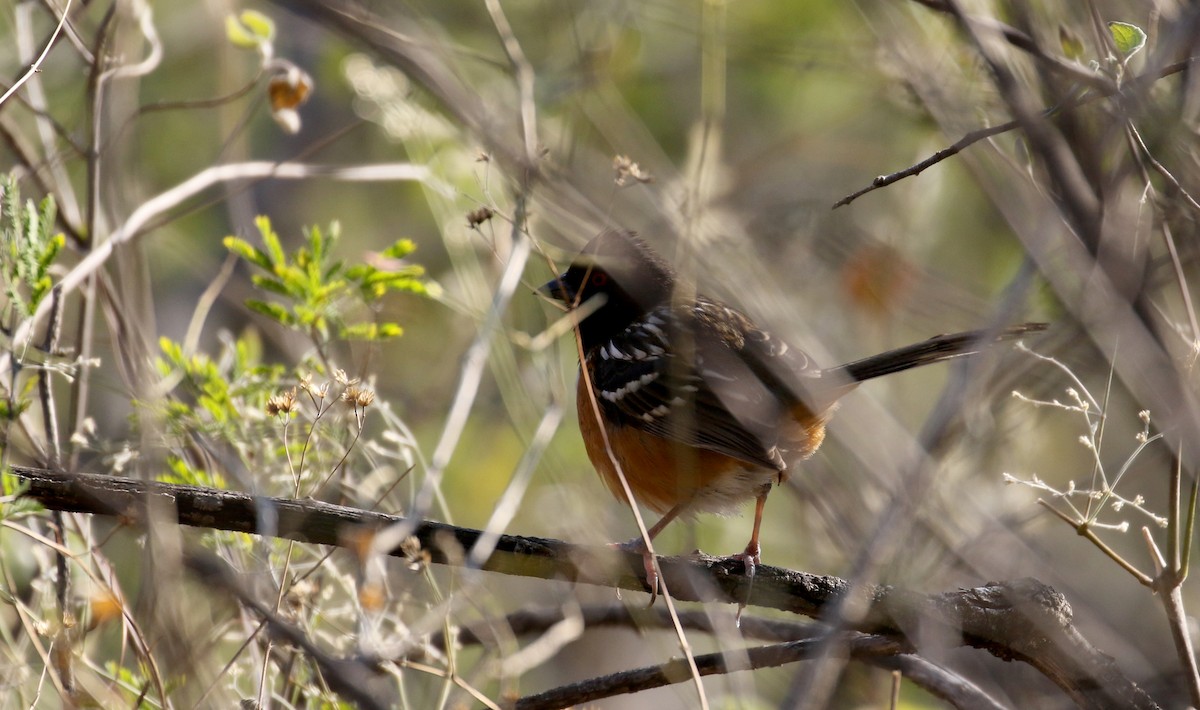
401, 249
12, 485
239, 35
29, 248
273, 311
12, 413
314, 291
51, 250
371, 331
270, 239
1127, 38
179, 472
273, 285
262, 26
1072, 46
248, 251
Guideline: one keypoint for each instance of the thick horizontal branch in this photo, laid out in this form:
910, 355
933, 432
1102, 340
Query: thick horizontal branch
1017, 620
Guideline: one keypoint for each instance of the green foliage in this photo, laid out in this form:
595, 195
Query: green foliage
315, 290
11, 411
128, 677
1129, 39
183, 473
30, 247
12, 489
1072, 46
237, 404
216, 395
250, 30
210, 384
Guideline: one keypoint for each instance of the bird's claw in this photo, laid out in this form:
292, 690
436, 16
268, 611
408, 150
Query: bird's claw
751, 558
750, 562
638, 545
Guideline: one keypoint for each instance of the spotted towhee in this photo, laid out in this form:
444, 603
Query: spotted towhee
697, 406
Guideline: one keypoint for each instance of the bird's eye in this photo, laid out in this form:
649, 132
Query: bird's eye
599, 278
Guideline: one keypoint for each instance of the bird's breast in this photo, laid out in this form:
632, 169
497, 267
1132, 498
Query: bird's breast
662, 473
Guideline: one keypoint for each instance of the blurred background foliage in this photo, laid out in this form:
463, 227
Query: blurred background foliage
753, 119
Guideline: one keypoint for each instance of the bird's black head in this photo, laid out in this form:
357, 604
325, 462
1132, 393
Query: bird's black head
621, 269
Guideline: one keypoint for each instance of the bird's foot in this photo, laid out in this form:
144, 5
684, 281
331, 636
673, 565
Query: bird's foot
638, 545
751, 558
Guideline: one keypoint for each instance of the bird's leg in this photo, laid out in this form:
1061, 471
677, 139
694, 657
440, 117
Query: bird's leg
752, 557
638, 545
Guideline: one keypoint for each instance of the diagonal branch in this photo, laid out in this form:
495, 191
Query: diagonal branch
676, 670
1137, 85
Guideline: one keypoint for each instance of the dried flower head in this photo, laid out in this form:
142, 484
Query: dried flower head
287, 91
413, 554
479, 216
283, 403
626, 171
359, 397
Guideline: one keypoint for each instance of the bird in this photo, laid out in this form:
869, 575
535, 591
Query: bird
699, 407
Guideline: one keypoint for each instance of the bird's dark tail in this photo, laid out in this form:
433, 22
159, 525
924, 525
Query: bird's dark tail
936, 349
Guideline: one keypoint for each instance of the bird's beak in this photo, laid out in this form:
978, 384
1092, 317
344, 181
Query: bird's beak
556, 288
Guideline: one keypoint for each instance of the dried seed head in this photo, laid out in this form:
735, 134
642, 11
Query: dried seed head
626, 171
479, 216
283, 403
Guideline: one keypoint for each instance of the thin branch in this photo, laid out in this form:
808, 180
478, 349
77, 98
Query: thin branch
938, 681
1072, 103
676, 671
474, 363
37, 64
1085, 531
525, 79
962, 144
1159, 168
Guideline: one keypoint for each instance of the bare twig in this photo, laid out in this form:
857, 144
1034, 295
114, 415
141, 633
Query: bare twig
1072, 103
37, 64
638, 679
1084, 530
525, 78
960, 145
938, 681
